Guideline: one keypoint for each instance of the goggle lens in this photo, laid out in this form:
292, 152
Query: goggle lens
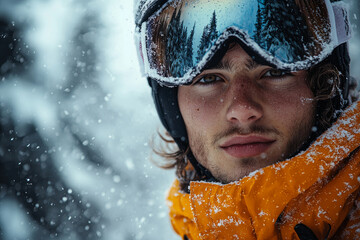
183, 36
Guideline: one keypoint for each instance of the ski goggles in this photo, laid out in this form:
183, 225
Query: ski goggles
182, 36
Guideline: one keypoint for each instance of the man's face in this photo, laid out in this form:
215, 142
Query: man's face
241, 116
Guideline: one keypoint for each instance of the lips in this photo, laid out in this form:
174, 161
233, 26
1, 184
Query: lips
246, 146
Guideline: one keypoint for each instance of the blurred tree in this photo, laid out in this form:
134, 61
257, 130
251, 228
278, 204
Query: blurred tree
27, 169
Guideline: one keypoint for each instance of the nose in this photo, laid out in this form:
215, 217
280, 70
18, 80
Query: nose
244, 107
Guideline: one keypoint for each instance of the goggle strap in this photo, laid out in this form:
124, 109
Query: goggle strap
143, 48
140, 56
342, 23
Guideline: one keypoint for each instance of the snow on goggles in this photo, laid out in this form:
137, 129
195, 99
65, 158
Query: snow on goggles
179, 39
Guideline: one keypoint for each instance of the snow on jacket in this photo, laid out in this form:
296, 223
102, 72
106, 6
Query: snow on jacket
318, 188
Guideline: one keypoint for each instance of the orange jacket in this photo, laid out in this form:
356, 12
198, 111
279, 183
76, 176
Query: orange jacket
318, 188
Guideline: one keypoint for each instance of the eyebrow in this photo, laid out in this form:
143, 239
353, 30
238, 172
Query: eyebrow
250, 64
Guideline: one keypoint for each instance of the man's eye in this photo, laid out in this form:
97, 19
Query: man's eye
209, 79
276, 73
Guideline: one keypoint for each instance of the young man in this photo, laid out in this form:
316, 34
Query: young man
256, 96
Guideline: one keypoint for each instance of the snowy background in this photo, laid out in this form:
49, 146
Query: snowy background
76, 121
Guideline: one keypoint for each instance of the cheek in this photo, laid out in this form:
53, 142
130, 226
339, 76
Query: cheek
292, 106
198, 112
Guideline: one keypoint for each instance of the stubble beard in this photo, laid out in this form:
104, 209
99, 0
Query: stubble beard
298, 138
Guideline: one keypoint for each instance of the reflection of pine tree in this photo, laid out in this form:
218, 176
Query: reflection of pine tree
204, 43
209, 34
178, 46
283, 27
173, 42
189, 48
259, 23
213, 32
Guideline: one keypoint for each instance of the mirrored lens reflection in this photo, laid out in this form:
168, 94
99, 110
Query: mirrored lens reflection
179, 37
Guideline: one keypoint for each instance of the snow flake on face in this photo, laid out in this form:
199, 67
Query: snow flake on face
306, 100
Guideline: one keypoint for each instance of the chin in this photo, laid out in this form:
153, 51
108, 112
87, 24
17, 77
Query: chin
237, 172
231, 177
